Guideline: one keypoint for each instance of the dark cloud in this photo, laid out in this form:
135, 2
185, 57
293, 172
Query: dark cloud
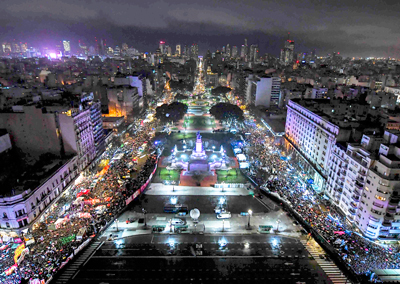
355, 28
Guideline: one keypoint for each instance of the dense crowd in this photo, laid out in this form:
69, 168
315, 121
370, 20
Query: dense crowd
277, 175
56, 241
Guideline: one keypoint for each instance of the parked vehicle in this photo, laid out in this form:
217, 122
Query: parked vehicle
224, 215
177, 221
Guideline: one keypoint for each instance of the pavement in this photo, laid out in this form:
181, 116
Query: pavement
202, 259
208, 223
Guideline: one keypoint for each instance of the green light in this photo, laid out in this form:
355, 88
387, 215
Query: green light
122, 145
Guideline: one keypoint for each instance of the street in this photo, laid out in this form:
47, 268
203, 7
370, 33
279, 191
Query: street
201, 259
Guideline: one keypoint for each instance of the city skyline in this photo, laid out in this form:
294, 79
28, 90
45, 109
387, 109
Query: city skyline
353, 29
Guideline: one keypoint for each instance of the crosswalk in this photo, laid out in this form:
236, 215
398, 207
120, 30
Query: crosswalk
329, 267
73, 267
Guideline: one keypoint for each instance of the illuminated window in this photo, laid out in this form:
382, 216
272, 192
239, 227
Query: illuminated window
380, 197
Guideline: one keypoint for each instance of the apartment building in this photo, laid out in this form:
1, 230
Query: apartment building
364, 182
313, 134
24, 205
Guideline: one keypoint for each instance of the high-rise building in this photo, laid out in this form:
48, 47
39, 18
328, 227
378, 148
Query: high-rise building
117, 51
97, 126
24, 47
67, 46
187, 51
243, 52
161, 46
287, 52
253, 51
6, 47
364, 180
234, 51
228, 51
168, 50
194, 51
263, 91
16, 48
178, 50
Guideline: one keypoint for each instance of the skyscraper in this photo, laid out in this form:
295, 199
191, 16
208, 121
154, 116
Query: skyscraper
67, 46
287, 52
228, 51
187, 51
253, 49
162, 47
178, 50
234, 51
194, 50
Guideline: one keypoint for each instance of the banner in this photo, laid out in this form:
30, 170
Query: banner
10, 270
18, 252
21, 258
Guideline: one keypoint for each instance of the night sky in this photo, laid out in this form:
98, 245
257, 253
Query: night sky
353, 28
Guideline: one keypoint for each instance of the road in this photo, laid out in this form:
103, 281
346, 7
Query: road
201, 259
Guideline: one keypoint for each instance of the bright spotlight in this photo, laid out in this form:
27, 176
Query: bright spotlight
274, 242
174, 200
221, 200
171, 242
222, 242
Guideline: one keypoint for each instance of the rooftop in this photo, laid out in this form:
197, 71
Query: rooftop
16, 176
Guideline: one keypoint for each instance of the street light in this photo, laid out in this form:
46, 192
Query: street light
144, 213
277, 225
249, 214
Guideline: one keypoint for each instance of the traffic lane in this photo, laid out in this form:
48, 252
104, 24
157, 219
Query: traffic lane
179, 245
206, 204
184, 238
195, 270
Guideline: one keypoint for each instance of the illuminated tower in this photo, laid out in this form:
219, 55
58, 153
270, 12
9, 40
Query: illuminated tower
178, 50
162, 47
67, 46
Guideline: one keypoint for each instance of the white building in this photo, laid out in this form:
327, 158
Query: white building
24, 206
313, 135
367, 187
56, 130
263, 91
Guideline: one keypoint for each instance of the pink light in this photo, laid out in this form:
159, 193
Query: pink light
162, 42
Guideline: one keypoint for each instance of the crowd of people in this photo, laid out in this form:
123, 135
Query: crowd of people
280, 175
82, 206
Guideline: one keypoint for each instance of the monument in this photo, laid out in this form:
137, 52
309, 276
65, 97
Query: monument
198, 152
199, 160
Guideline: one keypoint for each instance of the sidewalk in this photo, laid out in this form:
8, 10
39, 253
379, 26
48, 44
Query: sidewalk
162, 189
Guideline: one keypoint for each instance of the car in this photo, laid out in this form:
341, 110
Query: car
224, 215
177, 221
219, 209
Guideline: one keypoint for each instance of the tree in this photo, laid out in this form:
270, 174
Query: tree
227, 112
220, 90
172, 112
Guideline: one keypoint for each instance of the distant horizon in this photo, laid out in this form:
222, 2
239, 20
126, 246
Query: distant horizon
353, 28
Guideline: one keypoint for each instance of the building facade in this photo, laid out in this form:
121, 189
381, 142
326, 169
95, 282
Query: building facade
20, 211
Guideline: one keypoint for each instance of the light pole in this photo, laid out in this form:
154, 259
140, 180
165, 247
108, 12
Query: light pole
145, 221
249, 214
116, 223
277, 225
223, 225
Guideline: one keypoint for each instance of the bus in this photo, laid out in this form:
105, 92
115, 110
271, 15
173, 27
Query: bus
181, 209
